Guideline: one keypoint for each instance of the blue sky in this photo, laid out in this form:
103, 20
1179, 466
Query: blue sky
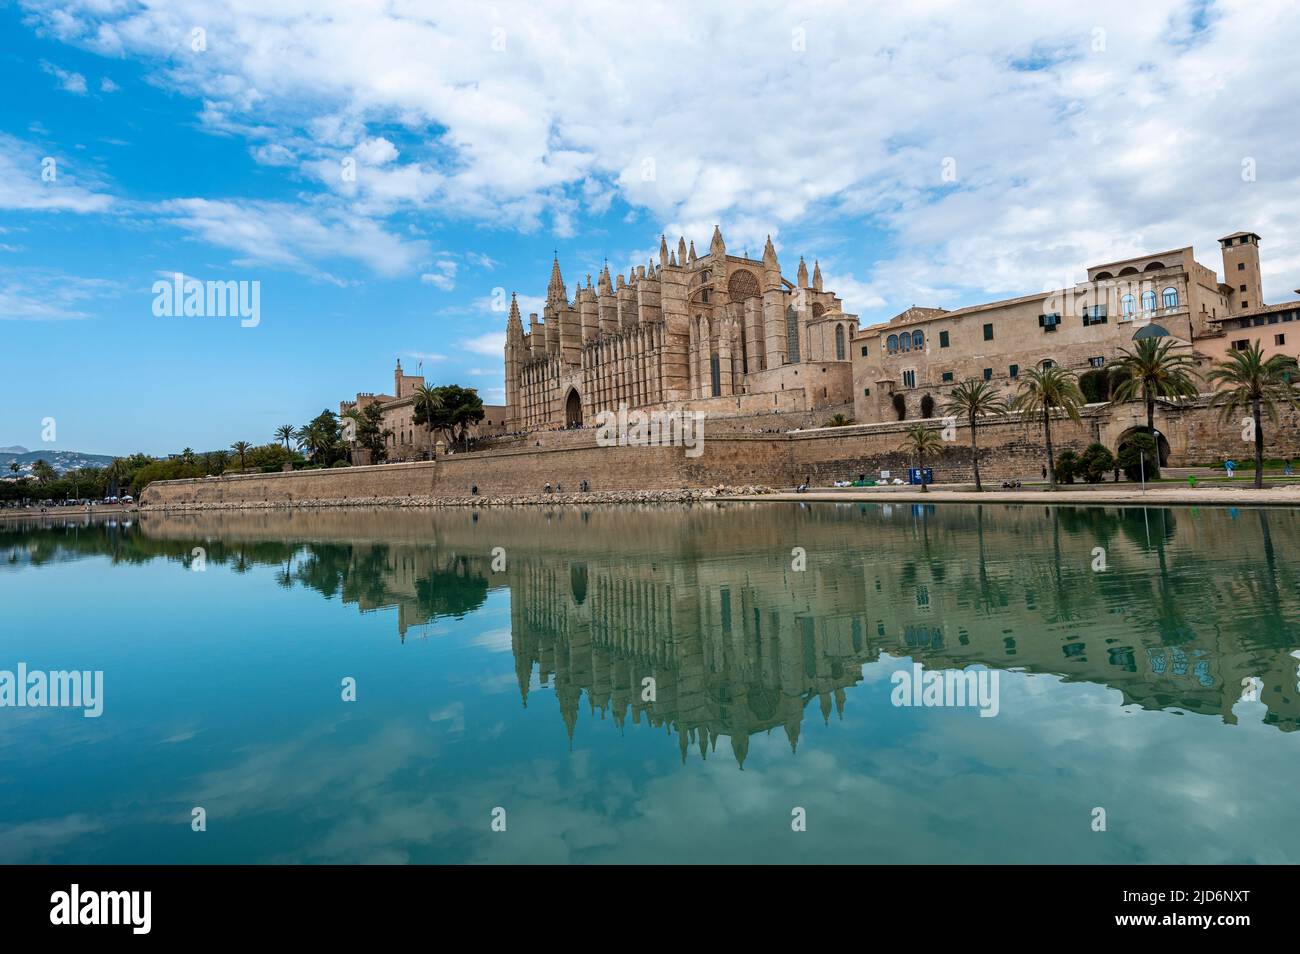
484, 137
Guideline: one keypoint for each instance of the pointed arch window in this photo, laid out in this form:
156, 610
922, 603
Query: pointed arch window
839, 342
792, 335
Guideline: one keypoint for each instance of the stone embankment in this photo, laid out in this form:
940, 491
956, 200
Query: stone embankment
684, 495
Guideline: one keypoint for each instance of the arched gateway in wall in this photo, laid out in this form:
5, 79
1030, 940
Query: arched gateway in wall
573, 409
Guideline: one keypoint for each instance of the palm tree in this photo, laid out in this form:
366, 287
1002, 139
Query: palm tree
241, 448
426, 403
1152, 371
1043, 390
973, 399
286, 433
1244, 380
922, 441
43, 473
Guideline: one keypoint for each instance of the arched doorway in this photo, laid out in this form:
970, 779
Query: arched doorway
573, 409
1162, 442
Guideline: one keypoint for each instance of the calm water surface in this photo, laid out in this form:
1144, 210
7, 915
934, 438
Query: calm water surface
520, 686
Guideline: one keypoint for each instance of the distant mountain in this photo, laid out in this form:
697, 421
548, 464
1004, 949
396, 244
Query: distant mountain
61, 461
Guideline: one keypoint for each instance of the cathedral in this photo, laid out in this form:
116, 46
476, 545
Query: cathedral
720, 334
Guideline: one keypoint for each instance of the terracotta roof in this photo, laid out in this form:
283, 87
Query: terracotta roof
1265, 310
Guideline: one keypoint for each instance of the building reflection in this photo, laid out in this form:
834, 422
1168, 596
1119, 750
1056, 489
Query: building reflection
710, 605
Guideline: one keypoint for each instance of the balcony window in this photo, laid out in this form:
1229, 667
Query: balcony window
1128, 305
891, 344
1148, 300
1170, 298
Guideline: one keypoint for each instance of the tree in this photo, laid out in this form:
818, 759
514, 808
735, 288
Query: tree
187, 455
241, 448
1067, 466
900, 405
838, 420
1243, 381
451, 410
285, 433
426, 404
1095, 463
13, 467
973, 399
44, 473
371, 433
1139, 458
922, 442
1045, 389
1153, 370
322, 438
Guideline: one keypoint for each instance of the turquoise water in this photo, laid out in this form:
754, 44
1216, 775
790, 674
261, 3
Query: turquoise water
512, 679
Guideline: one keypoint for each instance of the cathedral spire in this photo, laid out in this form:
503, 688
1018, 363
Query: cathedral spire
690, 256
555, 291
663, 250
681, 249
817, 276
514, 320
803, 273
717, 246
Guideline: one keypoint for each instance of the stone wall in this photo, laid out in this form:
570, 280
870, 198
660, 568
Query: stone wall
1009, 448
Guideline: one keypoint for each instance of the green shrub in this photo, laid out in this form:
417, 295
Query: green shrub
1135, 450
1067, 465
1095, 463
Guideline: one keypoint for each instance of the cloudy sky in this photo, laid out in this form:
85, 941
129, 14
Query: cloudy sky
383, 169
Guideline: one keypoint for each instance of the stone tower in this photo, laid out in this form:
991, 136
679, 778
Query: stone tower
1241, 270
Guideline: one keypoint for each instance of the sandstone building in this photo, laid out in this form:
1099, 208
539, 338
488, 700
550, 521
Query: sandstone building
411, 441
718, 333
905, 367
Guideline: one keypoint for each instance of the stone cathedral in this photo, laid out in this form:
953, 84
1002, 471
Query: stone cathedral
718, 333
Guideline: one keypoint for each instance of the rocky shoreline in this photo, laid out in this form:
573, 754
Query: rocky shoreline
429, 502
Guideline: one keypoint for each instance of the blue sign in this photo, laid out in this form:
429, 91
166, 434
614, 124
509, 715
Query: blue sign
918, 475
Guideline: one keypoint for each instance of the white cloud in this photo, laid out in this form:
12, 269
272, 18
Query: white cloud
292, 236
444, 276
70, 82
1066, 150
41, 295
34, 182
106, 85
492, 344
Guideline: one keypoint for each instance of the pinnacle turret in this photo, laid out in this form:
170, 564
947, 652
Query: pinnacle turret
717, 246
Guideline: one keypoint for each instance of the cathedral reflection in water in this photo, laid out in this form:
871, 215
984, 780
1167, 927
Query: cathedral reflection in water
710, 604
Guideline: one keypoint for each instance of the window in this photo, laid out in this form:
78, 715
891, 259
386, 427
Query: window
909, 379
1127, 305
1014, 371
839, 342
1148, 300
1170, 298
918, 340
891, 344
943, 339
791, 336
905, 342
864, 351
947, 375
1241, 344
1244, 303
1095, 315
1046, 363
988, 332
1049, 322
1279, 339
1241, 266
866, 392
988, 372
715, 372
1097, 362
1243, 288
